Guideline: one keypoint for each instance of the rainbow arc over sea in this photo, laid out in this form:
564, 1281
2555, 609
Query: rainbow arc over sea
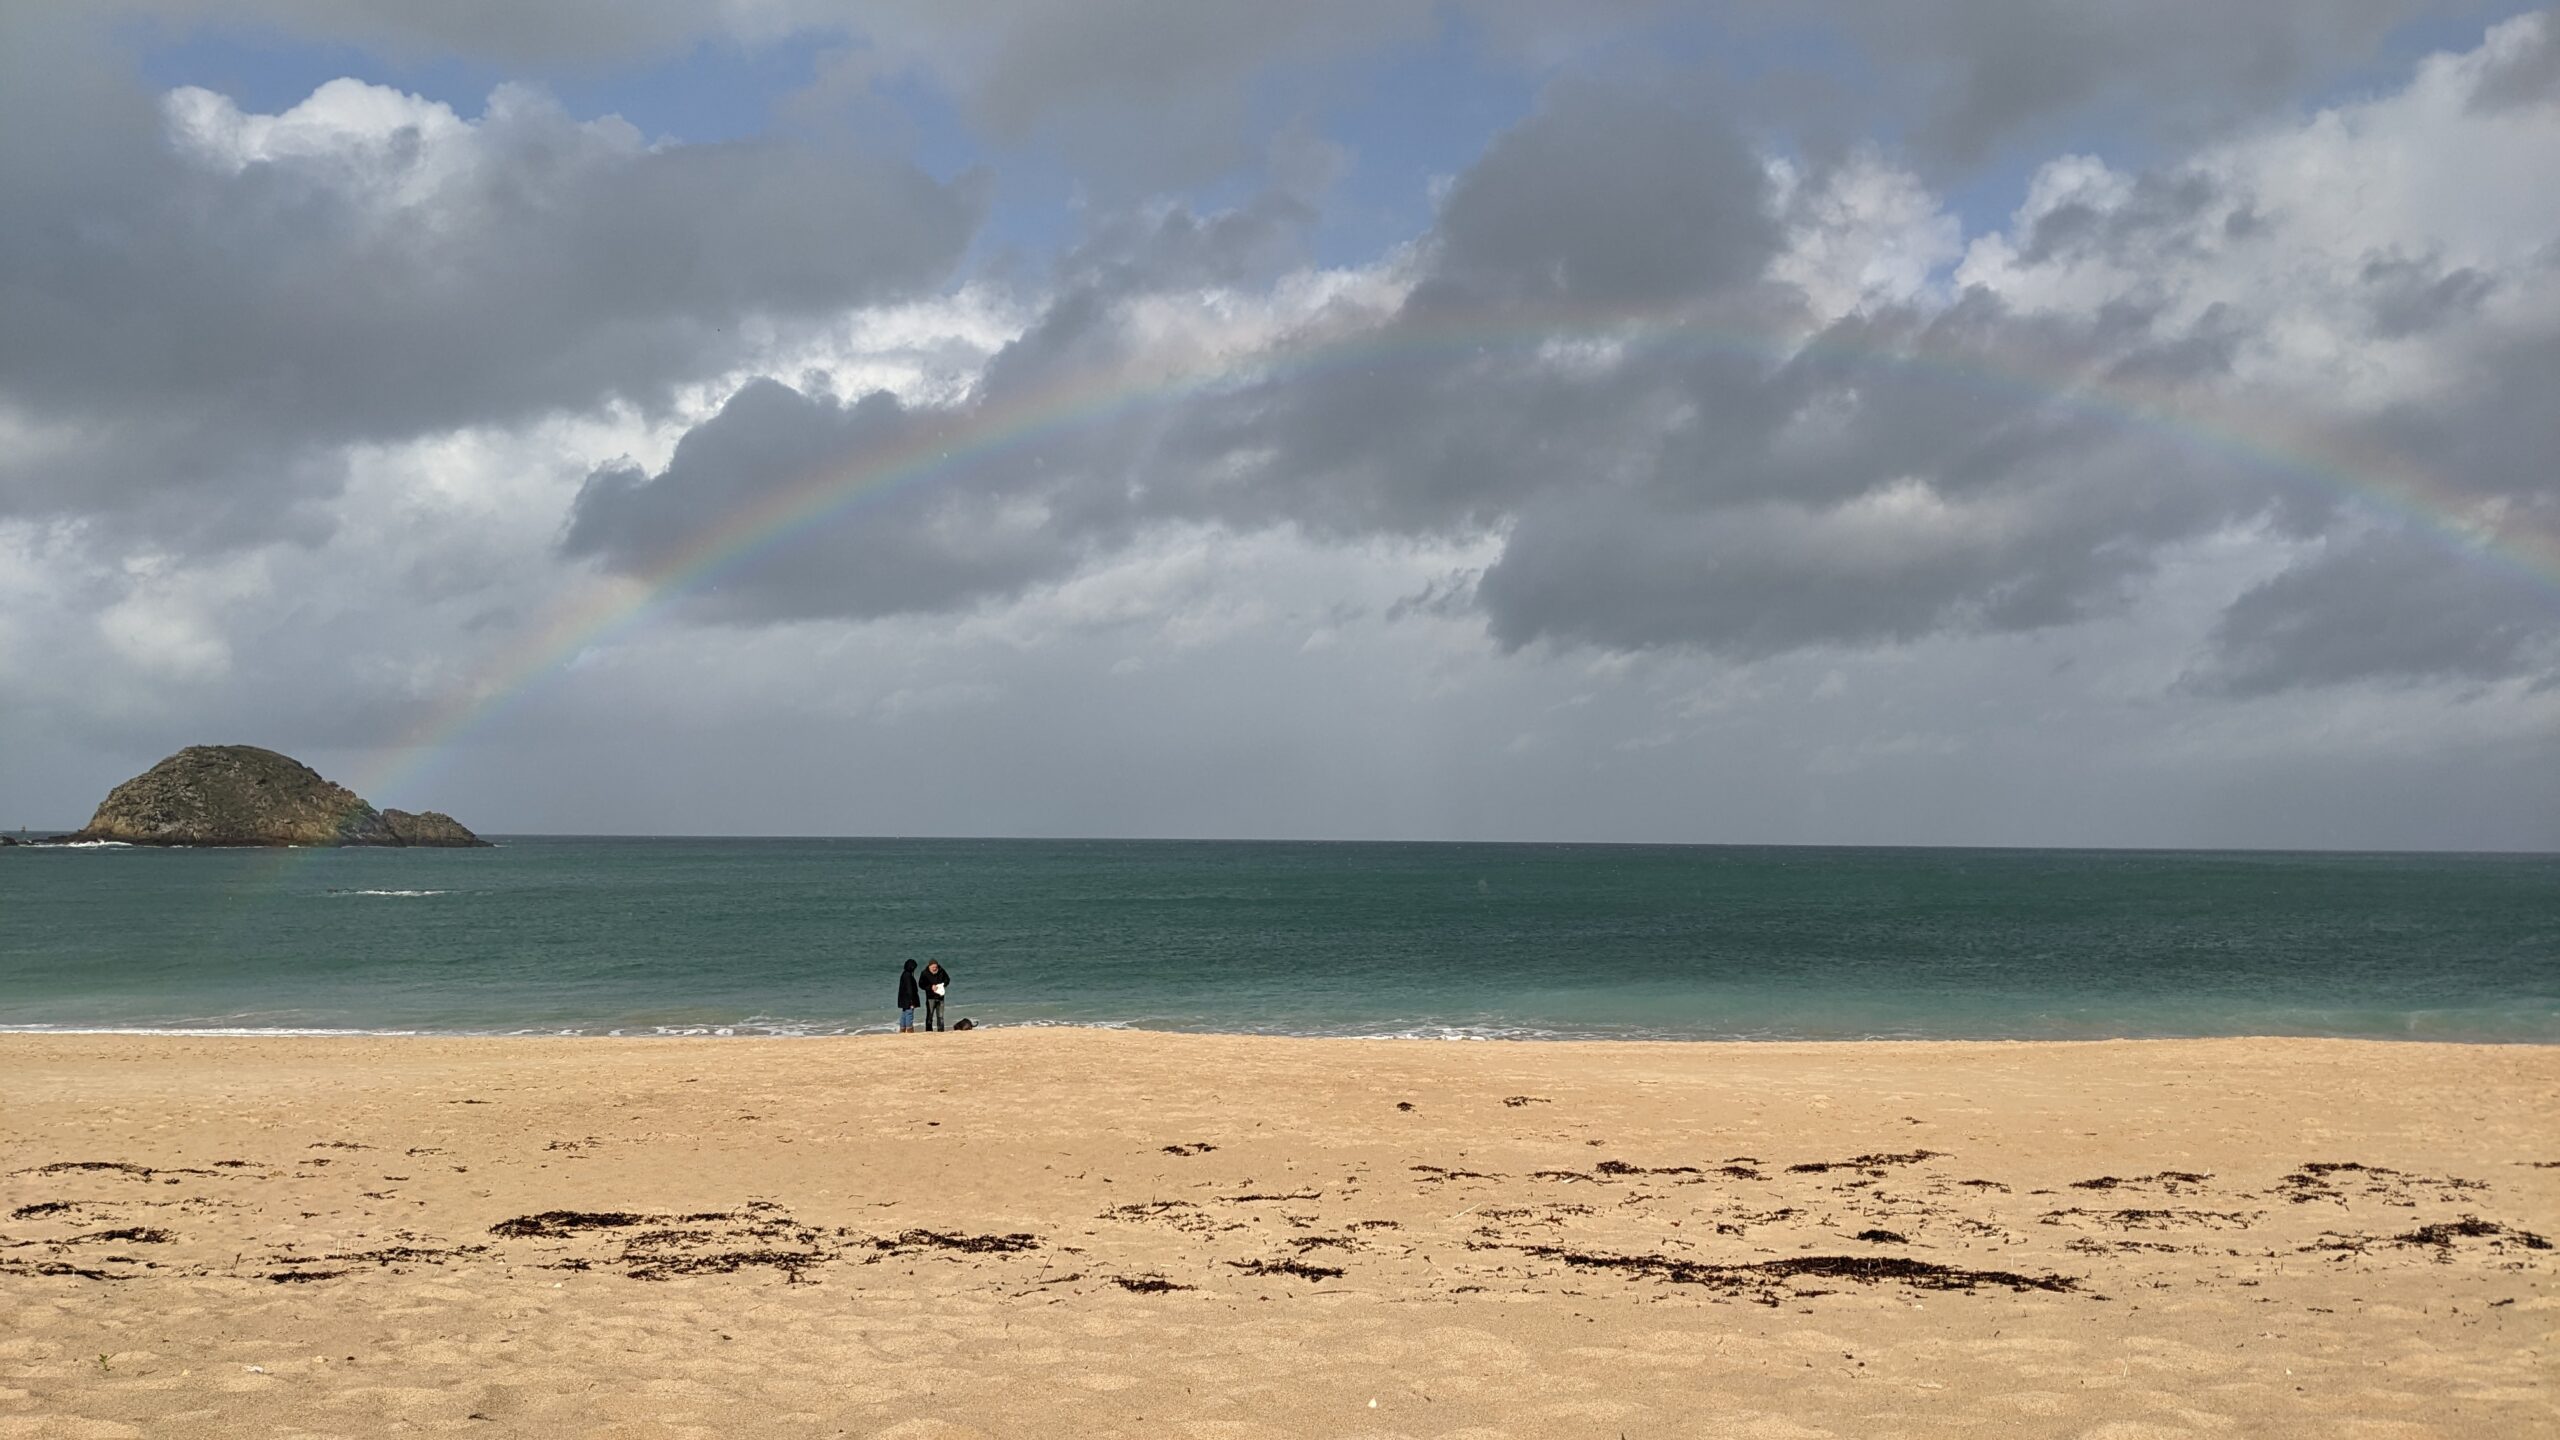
992, 432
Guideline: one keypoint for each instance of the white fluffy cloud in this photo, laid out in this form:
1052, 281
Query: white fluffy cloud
1866, 233
2358, 251
201, 309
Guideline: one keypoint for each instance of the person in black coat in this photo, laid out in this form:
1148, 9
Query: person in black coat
907, 992
936, 982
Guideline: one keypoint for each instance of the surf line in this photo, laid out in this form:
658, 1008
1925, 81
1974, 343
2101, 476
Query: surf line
942, 441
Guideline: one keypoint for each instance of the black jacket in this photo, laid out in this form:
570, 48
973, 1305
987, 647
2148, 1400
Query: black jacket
927, 979
910, 994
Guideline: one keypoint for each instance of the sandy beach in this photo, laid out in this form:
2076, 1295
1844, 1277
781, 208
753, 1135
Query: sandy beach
1086, 1233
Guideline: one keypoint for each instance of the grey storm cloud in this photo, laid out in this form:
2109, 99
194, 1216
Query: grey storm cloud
2161, 205
1145, 93
203, 332
1874, 495
2393, 605
1136, 93
1669, 495
2531, 76
2402, 605
1607, 197
2431, 597
1972, 75
2492, 437
2412, 297
510, 32
978, 531
1155, 250
921, 550
1873, 484
1163, 89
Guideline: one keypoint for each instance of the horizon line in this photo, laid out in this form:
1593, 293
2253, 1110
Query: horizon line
1066, 839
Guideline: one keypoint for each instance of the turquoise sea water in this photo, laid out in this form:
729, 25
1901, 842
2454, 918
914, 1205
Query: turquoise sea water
553, 934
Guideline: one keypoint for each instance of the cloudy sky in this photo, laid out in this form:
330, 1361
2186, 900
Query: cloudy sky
1948, 422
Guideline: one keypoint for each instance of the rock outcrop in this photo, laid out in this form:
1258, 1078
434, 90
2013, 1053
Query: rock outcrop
242, 795
429, 827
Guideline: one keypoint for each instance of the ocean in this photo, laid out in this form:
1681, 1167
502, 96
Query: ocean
568, 935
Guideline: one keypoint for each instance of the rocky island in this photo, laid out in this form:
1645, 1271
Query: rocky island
243, 795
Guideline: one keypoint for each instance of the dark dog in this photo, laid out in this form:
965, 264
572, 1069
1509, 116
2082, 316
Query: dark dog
965, 1023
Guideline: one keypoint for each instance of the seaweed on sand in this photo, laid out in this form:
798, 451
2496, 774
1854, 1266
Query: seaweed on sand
1299, 1268
55, 1267
967, 1244
558, 1224
2442, 1234
1766, 1275
1147, 1284
722, 1262
1865, 1162
1621, 1167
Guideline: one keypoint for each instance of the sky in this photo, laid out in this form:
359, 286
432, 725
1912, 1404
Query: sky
1956, 422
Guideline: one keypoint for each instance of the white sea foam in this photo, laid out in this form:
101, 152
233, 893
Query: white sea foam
754, 1029
246, 1031
391, 892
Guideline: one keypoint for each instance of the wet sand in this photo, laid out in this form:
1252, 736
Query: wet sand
1089, 1233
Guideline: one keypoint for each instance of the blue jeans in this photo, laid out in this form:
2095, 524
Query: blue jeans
906, 1017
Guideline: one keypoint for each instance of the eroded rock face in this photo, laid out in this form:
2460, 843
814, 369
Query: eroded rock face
243, 795
429, 827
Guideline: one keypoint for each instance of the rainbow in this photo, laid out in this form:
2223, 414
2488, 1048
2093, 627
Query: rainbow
992, 432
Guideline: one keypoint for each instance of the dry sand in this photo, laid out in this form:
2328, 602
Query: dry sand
1087, 1233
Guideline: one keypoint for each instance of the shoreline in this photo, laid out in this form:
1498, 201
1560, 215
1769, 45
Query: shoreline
1081, 1232
740, 1033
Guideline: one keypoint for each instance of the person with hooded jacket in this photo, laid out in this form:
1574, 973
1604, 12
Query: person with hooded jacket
936, 981
907, 997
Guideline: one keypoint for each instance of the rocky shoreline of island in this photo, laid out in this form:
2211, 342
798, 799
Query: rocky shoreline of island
246, 796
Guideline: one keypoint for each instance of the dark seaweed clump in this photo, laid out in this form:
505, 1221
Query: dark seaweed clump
410, 1254
1762, 1275
2165, 1177
557, 1224
1299, 1268
54, 1267
966, 1244
1864, 1162
2470, 1227
1146, 1284
1621, 1167
725, 1262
